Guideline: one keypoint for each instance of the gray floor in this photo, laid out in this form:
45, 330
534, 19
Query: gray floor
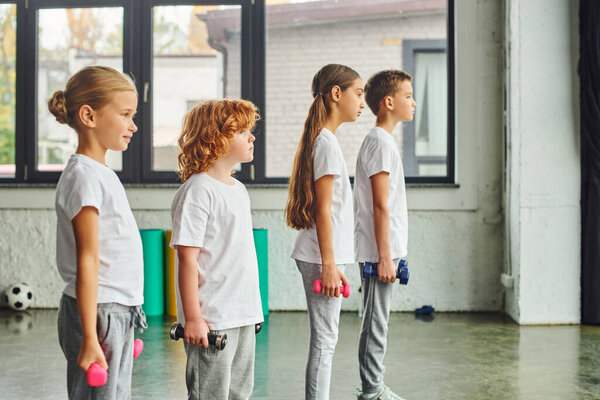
453, 356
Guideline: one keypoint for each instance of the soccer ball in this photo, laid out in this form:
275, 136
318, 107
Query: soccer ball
18, 296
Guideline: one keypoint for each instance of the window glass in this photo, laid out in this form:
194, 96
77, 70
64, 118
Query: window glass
303, 36
196, 56
68, 40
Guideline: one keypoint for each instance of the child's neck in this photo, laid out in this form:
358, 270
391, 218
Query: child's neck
386, 122
221, 171
332, 122
92, 150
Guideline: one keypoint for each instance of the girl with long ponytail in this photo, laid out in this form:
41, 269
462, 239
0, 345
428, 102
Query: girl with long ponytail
320, 207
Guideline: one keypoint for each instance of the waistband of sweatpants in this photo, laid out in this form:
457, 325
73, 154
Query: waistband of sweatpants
113, 307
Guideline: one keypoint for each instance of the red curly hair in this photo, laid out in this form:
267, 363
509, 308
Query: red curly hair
207, 129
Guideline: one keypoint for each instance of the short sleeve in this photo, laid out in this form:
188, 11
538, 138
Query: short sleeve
80, 191
377, 157
326, 159
190, 218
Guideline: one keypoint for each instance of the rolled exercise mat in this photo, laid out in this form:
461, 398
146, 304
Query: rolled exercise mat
154, 271
170, 304
262, 255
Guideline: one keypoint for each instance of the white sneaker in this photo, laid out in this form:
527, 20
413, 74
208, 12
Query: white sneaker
386, 394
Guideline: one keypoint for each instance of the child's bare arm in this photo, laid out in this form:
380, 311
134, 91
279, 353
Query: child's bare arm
196, 328
85, 229
331, 276
386, 269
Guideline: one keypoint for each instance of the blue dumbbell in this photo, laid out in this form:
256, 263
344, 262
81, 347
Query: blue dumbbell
402, 273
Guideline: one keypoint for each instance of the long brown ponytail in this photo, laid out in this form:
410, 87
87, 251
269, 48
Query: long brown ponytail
300, 209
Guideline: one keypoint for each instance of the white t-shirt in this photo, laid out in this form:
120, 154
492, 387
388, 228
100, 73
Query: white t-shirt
86, 182
215, 217
379, 153
329, 160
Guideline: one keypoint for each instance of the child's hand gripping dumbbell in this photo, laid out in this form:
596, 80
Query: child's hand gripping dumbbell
402, 274
97, 376
344, 289
219, 341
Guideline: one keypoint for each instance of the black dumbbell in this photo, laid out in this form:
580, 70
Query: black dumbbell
219, 341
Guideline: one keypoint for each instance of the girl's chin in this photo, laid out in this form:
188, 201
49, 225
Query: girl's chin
119, 148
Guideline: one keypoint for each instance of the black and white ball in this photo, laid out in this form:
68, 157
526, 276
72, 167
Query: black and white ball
18, 296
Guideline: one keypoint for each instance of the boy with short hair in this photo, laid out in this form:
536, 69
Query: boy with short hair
381, 220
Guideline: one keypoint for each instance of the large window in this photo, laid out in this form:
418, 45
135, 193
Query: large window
182, 52
188, 65
302, 36
426, 138
8, 59
68, 40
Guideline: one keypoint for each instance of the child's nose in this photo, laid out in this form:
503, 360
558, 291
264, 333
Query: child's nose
134, 127
252, 138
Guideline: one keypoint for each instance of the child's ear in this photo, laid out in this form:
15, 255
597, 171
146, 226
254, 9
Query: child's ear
336, 92
87, 116
388, 102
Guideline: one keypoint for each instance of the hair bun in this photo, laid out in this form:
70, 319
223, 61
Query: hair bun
58, 107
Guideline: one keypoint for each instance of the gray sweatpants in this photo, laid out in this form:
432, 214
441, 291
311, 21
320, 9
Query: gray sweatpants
324, 318
372, 343
115, 334
227, 374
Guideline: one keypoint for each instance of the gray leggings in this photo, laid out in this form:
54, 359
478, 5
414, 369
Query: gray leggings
115, 334
372, 343
324, 318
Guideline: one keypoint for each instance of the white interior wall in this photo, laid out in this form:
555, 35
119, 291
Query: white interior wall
456, 232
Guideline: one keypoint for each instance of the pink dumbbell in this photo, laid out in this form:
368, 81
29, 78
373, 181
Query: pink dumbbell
138, 346
97, 376
344, 290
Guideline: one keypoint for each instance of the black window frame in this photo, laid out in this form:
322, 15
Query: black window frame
451, 155
137, 61
410, 47
30, 173
251, 46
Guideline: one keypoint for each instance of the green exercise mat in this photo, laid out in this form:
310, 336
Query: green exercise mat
154, 271
262, 255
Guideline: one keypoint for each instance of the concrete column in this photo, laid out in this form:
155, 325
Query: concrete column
542, 190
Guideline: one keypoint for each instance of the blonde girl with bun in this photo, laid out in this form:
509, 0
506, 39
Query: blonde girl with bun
98, 245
